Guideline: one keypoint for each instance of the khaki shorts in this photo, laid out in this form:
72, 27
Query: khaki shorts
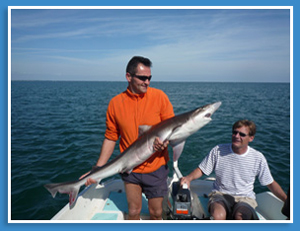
231, 202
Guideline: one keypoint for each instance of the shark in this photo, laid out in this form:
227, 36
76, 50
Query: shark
176, 130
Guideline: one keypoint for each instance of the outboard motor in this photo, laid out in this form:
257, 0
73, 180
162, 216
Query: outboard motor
179, 203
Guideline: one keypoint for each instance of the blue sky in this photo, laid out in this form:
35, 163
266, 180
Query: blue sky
251, 45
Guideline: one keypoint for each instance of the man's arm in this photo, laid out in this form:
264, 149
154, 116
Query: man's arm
276, 189
107, 149
197, 173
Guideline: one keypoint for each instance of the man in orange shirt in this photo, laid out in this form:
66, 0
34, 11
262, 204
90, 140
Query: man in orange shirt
139, 105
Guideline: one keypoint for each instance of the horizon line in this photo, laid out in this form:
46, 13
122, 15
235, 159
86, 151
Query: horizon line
153, 81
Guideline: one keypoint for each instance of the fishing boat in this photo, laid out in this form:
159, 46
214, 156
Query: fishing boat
106, 202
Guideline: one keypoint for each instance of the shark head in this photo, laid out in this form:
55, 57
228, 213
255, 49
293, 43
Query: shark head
202, 116
192, 121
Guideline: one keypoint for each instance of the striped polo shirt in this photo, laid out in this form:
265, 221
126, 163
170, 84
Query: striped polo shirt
236, 174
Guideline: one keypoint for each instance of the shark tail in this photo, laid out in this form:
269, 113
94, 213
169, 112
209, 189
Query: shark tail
73, 196
72, 190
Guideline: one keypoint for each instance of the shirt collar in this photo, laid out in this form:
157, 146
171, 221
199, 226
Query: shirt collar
243, 154
133, 95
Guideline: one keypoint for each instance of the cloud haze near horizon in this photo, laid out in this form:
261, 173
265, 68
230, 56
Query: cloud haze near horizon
222, 45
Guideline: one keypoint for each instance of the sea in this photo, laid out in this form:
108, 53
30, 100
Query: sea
57, 129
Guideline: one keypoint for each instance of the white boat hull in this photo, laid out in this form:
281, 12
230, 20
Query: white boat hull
107, 202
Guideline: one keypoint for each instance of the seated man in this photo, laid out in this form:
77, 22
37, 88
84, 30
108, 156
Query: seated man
236, 166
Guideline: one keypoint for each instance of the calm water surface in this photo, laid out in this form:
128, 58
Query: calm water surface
57, 130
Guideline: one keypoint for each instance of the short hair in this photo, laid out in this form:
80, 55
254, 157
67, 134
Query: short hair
247, 123
135, 61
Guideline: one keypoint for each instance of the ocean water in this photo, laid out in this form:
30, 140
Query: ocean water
57, 130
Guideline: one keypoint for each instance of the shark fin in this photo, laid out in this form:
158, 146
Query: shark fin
51, 188
177, 150
73, 196
64, 188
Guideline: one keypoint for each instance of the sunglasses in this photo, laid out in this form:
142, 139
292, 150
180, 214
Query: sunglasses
142, 77
240, 133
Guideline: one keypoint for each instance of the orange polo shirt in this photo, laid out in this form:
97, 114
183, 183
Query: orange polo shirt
127, 111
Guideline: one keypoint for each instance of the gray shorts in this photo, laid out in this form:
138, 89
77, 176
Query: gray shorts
232, 203
153, 184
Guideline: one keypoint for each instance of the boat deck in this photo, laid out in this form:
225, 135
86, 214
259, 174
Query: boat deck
108, 202
116, 208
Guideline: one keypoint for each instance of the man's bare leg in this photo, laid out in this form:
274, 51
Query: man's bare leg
134, 199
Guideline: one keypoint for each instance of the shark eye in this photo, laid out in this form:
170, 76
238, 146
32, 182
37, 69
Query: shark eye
208, 115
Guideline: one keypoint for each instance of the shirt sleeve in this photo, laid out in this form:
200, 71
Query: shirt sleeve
112, 130
167, 108
264, 175
207, 165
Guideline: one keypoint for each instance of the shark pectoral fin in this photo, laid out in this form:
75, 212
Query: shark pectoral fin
177, 150
126, 170
143, 129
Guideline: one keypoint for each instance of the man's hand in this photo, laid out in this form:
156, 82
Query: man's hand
185, 180
197, 173
89, 181
160, 146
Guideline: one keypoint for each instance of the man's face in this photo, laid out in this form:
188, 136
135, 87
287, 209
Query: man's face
240, 138
136, 85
